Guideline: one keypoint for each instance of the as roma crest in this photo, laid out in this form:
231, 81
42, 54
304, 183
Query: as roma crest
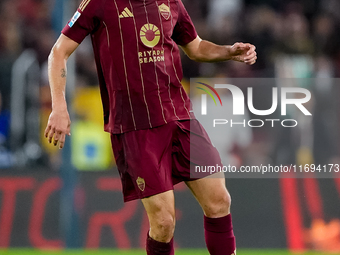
165, 11
141, 183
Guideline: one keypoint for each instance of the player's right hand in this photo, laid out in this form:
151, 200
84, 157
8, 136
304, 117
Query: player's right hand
58, 126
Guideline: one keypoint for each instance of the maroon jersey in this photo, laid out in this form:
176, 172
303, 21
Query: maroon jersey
138, 60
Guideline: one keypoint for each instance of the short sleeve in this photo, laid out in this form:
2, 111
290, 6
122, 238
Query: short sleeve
84, 21
184, 31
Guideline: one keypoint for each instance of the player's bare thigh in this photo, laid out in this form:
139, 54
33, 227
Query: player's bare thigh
212, 195
160, 209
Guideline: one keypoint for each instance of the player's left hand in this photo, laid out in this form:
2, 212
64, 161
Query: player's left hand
243, 52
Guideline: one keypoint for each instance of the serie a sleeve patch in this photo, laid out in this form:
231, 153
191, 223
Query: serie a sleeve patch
74, 18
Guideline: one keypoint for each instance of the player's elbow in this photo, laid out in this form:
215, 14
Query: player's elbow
196, 57
57, 52
54, 53
51, 55
194, 50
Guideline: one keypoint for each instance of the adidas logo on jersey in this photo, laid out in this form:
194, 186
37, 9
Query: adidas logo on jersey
126, 14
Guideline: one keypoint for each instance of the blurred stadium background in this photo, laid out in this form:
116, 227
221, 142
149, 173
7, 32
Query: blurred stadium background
50, 200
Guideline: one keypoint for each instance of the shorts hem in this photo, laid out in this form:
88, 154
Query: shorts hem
135, 197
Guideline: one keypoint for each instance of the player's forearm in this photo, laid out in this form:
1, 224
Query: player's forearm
210, 52
57, 72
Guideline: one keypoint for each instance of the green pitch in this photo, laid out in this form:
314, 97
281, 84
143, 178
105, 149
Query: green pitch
141, 252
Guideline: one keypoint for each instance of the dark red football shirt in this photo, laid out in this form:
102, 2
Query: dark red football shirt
138, 60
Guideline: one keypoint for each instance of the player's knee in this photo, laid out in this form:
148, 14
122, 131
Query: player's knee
163, 227
166, 225
218, 206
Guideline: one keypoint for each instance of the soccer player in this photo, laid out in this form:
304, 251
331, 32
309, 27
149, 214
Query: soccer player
146, 109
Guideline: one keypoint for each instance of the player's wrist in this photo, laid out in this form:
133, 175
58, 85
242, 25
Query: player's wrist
228, 52
59, 105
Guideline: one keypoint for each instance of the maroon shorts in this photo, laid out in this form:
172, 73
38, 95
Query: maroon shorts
151, 161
